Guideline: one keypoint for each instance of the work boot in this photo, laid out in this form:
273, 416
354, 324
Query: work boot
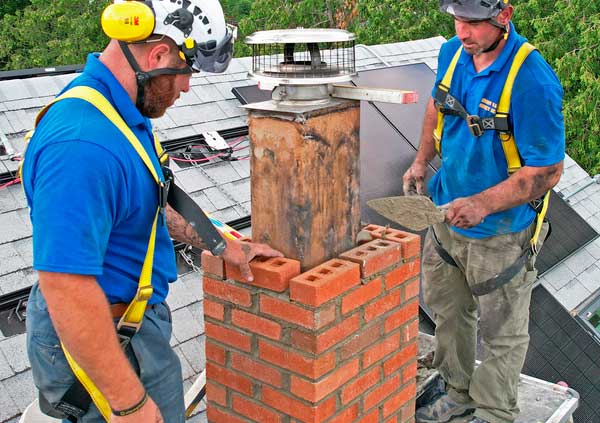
442, 410
476, 419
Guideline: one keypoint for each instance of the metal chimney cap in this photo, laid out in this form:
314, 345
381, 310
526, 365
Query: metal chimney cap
300, 35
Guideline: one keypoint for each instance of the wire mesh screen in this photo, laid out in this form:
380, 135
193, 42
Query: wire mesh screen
299, 61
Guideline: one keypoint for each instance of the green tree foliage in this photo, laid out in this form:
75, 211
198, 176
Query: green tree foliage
236, 9
9, 7
60, 32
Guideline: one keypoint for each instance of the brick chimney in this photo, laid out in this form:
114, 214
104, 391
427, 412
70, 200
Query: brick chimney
335, 344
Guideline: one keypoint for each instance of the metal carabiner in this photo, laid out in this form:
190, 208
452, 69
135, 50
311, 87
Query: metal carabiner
474, 125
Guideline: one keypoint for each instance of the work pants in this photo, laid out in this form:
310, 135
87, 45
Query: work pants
503, 317
149, 353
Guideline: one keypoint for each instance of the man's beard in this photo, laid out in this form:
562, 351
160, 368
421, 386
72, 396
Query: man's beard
159, 95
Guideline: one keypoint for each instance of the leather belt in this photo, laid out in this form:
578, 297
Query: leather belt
118, 309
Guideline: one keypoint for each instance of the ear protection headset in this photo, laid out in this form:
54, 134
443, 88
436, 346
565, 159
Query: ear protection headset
130, 21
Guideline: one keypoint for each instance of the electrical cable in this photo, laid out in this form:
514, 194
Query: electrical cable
13, 182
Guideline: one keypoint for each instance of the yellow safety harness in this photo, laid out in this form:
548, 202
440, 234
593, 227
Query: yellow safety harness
131, 320
447, 104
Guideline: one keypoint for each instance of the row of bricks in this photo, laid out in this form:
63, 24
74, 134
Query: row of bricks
325, 281
375, 296
270, 405
309, 378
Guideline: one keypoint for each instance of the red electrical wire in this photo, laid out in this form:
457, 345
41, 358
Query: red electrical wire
13, 182
205, 159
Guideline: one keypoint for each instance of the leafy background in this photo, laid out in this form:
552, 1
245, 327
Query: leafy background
39, 33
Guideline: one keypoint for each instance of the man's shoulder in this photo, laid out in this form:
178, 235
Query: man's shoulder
535, 73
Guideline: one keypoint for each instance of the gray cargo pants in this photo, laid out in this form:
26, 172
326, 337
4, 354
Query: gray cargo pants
503, 317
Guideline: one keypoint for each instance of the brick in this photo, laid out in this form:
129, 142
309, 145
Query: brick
214, 266
228, 336
254, 411
256, 324
409, 372
348, 415
324, 282
408, 412
380, 350
298, 409
310, 342
316, 391
228, 378
361, 295
215, 353
310, 367
374, 256
216, 394
284, 310
402, 274
410, 331
269, 273
256, 370
410, 243
411, 290
216, 415
214, 310
379, 394
227, 292
397, 319
372, 417
398, 360
399, 399
368, 336
382, 306
360, 385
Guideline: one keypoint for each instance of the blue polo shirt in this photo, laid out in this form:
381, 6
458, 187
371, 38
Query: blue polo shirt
470, 164
92, 200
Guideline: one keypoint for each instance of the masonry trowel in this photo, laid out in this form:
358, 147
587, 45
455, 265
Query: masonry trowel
414, 212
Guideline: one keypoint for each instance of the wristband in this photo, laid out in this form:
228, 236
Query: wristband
132, 409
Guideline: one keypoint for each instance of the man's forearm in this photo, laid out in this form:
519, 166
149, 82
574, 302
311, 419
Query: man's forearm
81, 316
182, 231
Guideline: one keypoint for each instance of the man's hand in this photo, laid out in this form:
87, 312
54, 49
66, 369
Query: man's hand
149, 413
414, 178
466, 212
240, 254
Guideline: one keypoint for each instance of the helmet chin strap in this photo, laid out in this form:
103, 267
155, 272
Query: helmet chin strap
502, 35
142, 78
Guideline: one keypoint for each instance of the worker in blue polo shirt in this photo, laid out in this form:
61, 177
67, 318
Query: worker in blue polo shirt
95, 188
500, 136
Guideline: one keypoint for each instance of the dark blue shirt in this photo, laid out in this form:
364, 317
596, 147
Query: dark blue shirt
470, 164
92, 200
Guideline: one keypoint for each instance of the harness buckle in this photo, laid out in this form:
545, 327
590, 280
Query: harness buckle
474, 125
163, 188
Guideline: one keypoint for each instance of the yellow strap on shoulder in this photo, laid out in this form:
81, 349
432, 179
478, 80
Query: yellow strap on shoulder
444, 86
134, 314
509, 146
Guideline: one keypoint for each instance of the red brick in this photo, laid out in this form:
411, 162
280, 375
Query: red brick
382, 306
324, 282
408, 412
348, 415
411, 290
227, 292
368, 336
216, 393
212, 265
215, 353
380, 350
256, 324
310, 367
402, 274
311, 319
313, 343
214, 310
374, 256
406, 313
256, 370
382, 391
398, 360
270, 273
399, 399
372, 417
228, 378
228, 336
410, 243
298, 409
219, 416
361, 385
253, 411
361, 295
316, 391
409, 372
393, 419
410, 331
